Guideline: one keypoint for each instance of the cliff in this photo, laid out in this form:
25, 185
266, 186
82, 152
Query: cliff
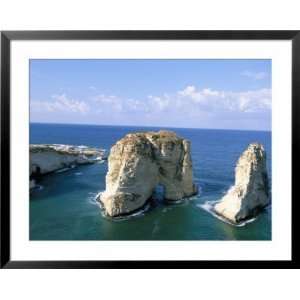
139, 162
47, 158
251, 191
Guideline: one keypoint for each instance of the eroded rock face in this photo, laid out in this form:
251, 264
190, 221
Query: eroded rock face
139, 162
251, 190
47, 158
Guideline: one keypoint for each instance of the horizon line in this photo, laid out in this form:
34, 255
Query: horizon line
148, 126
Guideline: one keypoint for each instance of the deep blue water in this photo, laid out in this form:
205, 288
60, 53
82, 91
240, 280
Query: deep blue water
65, 208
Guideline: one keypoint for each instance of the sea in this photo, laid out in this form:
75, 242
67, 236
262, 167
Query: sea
64, 206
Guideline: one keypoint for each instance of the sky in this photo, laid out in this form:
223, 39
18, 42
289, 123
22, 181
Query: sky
185, 93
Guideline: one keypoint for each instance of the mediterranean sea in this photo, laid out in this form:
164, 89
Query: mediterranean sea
63, 207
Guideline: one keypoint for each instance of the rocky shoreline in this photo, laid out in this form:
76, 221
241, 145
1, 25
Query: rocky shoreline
49, 158
139, 162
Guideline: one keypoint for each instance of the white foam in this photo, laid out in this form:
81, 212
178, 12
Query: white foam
183, 201
93, 200
62, 170
174, 202
209, 207
37, 187
137, 214
98, 195
100, 161
78, 173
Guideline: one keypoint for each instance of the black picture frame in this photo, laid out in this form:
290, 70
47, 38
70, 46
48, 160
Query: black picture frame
8, 36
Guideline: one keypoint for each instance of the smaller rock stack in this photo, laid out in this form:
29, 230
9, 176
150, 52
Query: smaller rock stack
251, 190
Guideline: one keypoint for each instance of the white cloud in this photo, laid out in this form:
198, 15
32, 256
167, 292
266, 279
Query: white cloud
255, 75
255, 101
111, 102
161, 103
191, 92
213, 100
190, 99
60, 103
189, 107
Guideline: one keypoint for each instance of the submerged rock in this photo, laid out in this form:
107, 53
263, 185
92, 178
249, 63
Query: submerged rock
138, 163
45, 158
251, 190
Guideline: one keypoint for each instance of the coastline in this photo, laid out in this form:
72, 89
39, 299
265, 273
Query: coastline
214, 157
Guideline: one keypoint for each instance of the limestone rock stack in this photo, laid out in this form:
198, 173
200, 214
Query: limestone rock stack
251, 190
139, 162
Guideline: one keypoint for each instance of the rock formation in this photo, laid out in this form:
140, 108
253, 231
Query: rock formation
46, 158
138, 163
251, 191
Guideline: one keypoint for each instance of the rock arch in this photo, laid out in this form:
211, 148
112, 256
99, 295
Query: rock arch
139, 162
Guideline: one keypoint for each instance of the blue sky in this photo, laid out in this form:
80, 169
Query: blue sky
225, 94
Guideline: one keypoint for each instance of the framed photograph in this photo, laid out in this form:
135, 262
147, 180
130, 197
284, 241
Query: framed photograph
149, 149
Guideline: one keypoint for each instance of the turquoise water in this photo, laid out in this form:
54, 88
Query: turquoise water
64, 208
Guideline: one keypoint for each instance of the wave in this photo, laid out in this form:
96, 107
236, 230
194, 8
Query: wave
139, 213
175, 202
62, 170
93, 199
78, 173
183, 201
208, 206
37, 187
